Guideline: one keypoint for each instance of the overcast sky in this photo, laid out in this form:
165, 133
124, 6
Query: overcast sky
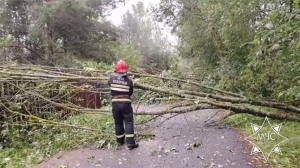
116, 14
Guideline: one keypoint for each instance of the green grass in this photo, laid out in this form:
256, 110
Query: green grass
290, 149
31, 148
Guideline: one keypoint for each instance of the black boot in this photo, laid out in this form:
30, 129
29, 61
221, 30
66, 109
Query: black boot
131, 143
120, 141
132, 146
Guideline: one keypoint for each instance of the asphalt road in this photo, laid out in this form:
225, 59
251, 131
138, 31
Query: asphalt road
182, 141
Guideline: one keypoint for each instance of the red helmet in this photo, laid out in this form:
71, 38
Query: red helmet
121, 67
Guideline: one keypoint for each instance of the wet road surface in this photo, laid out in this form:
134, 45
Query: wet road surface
182, 141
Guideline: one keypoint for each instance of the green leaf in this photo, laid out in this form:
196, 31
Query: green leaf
285, 52
273, 16
4, 132
296, 5
256, 41
280, 94
297, 45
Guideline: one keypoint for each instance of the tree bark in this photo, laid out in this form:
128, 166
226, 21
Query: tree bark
236, 109
190, 82
248, 101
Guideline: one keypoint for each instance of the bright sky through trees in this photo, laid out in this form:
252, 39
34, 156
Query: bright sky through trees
116, 15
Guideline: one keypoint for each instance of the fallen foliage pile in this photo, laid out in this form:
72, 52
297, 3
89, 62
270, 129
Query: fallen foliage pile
37, 93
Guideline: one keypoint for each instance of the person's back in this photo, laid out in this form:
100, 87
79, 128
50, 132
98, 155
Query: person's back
121, 87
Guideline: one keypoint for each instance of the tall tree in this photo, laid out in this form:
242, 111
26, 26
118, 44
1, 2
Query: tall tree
239, 45
47, 32
146, 36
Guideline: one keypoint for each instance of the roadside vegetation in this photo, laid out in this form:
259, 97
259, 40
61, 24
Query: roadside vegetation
246, 47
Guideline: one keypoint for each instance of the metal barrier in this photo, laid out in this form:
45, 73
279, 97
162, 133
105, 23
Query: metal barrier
87, 99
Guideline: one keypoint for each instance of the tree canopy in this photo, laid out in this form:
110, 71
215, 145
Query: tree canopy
57, 32
248, 46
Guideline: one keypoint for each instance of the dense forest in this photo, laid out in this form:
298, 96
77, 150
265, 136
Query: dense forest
245, 46
61, 33
246, 49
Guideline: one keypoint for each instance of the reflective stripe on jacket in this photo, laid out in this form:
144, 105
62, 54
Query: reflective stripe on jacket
120, 84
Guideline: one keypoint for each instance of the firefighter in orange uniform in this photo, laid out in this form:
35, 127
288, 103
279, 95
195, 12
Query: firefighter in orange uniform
121, 87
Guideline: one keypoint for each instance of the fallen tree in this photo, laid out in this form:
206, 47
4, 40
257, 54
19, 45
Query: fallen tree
15, 82
280, 106
35, 97
224, 105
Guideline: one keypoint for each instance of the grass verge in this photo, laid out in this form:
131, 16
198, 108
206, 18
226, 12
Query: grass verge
29, 148
290, 149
